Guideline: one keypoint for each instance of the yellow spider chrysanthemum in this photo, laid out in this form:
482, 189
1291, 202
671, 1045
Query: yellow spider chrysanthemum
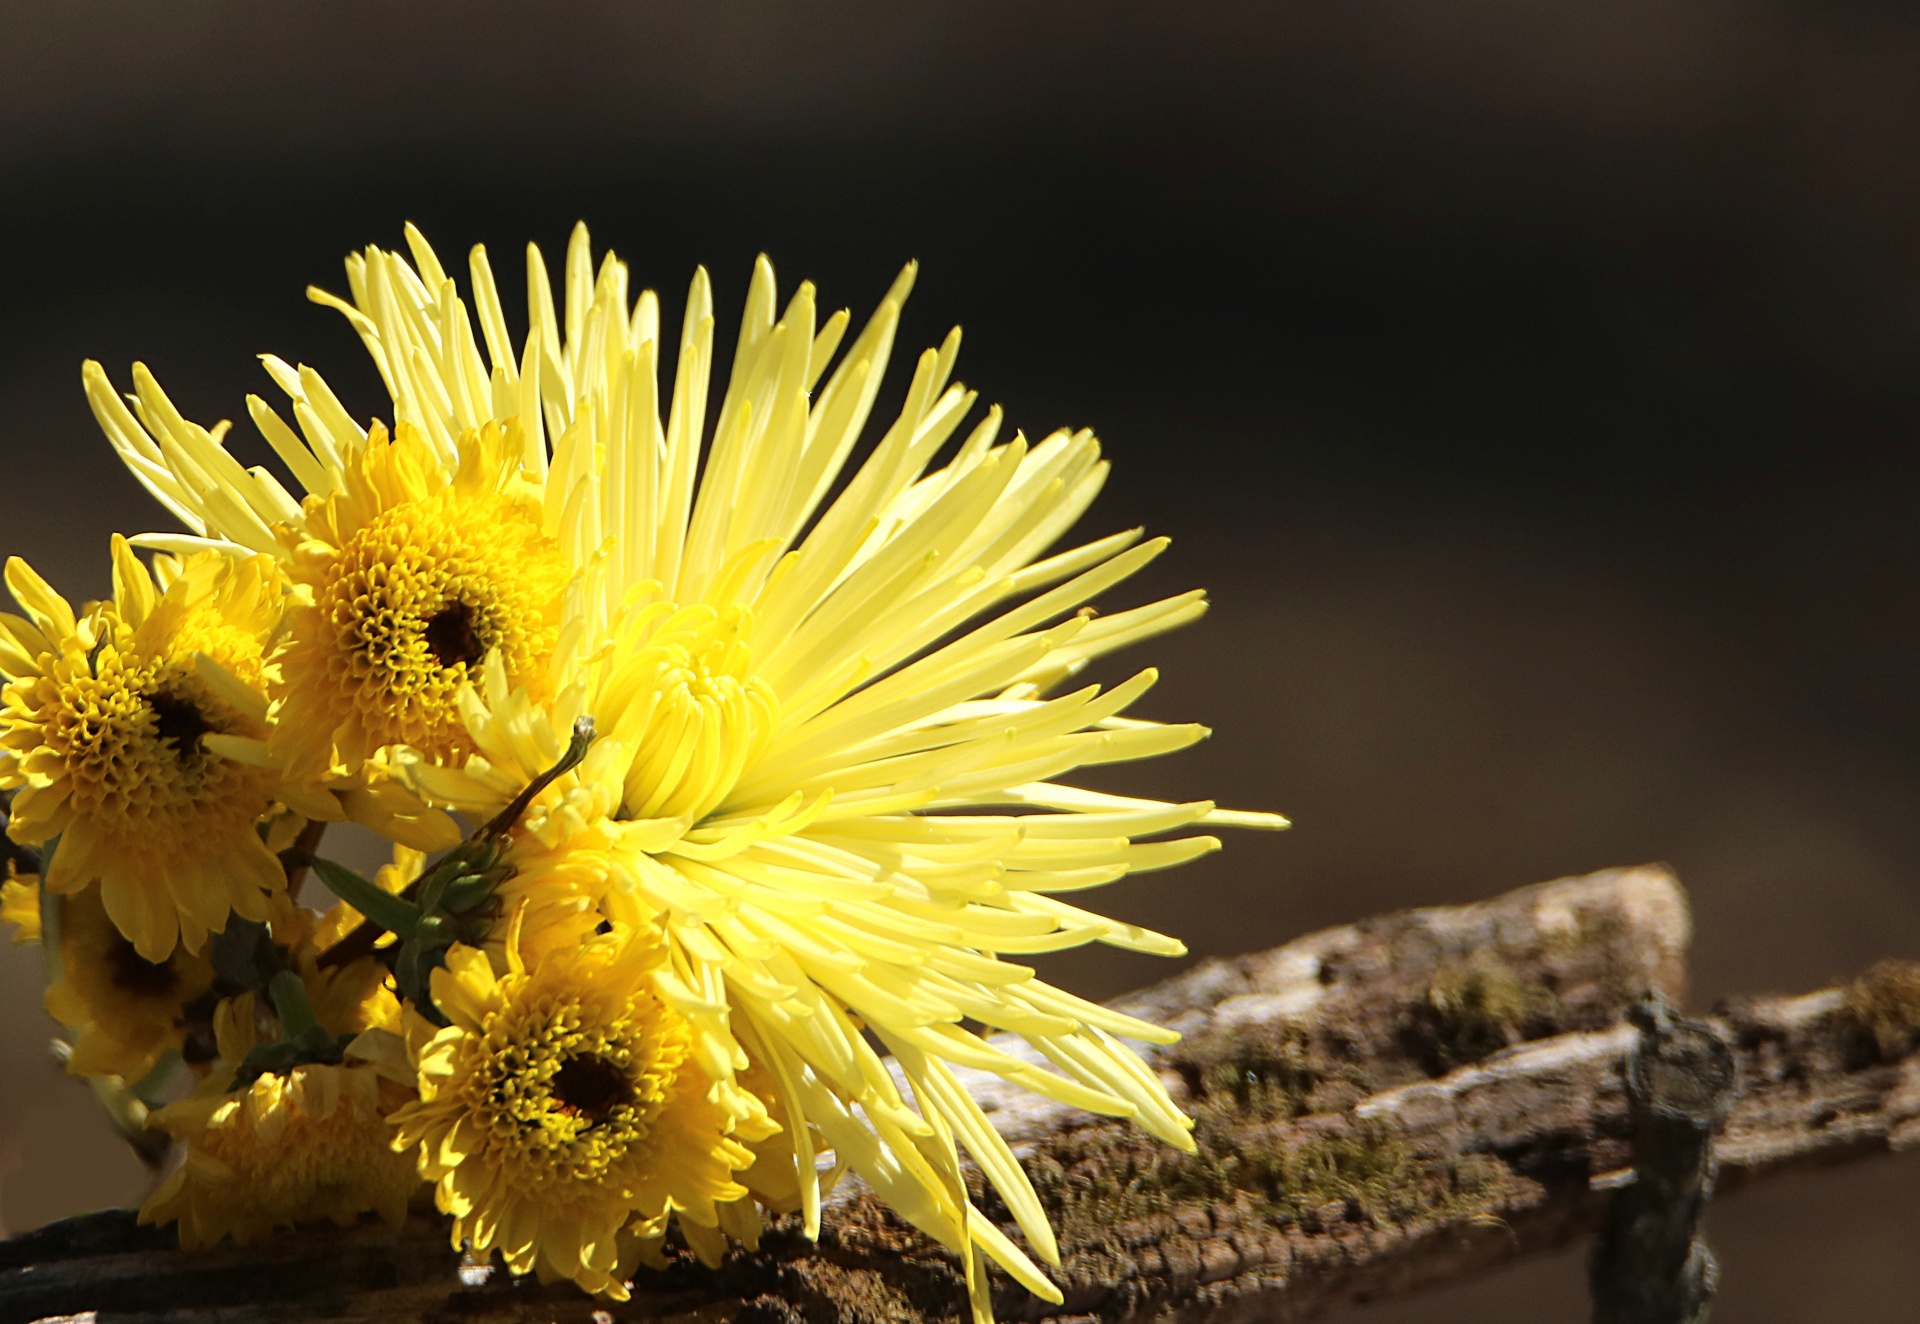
113, 726
416, 571
313, 1143
565, 1099
830, 751
121, 1010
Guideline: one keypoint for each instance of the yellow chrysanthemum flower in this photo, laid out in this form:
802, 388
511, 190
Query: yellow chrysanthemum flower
121, 1010
564, 1100
416, 570
829, 752
313, 1143
113, 724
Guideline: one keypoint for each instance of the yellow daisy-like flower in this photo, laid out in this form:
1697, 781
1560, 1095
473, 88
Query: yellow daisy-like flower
831, 750
416, 571
313, 1143
564, 1100
112, 725
121, 1010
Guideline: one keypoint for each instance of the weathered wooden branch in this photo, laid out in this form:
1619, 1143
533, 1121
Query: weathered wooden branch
1380, 1108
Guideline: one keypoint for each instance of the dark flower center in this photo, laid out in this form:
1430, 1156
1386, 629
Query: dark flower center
591, 1087
452, 638
136, 974
178, 722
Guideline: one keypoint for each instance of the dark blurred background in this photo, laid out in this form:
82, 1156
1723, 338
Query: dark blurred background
1533, 384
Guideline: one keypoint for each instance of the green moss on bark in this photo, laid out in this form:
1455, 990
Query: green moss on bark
1885, 1004
1475, 1008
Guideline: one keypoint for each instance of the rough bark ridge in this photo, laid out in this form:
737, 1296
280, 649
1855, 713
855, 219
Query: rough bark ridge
1381, 1107
1651, 1265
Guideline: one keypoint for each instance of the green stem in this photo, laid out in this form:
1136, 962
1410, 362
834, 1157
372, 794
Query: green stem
128, 1114
50, 917
503, 822
151, 1088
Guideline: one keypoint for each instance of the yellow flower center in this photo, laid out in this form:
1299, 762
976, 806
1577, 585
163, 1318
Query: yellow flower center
124, 1008
689, 705
413, 603
568, 1089
136, 976
127, 731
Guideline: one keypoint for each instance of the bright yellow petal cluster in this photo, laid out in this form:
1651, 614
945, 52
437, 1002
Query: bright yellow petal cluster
110, 729
564, 1103
827, 811
414, 575
121, 1010
20, 906
289, 1148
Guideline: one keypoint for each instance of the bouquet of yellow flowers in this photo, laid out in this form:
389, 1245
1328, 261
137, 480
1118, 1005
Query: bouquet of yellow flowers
716, 773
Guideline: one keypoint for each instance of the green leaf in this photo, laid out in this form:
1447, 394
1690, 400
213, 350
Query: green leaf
242, 954
289, 994
395, 914
467, 892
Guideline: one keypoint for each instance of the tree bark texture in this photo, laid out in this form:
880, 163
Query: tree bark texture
1651, 1265
1382, 1107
